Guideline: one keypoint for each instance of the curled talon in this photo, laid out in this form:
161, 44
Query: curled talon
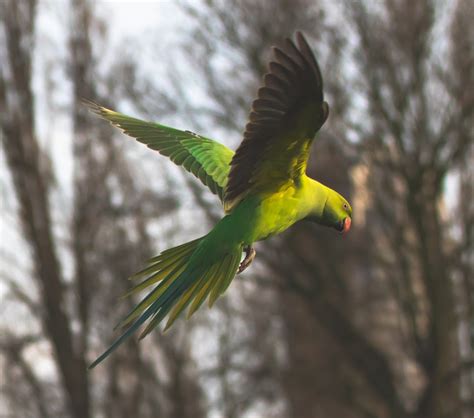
250, 254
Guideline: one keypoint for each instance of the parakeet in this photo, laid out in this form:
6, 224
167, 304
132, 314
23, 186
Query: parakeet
263, 188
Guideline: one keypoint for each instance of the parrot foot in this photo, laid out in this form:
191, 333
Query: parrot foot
250, 254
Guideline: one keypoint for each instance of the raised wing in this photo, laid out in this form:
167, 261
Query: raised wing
284, 118
207, 159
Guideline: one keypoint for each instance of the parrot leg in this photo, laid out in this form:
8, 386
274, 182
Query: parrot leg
250, 254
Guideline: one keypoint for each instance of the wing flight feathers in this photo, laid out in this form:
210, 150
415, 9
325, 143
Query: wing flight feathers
289, 108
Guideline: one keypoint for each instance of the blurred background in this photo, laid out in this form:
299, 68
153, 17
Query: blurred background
376, 324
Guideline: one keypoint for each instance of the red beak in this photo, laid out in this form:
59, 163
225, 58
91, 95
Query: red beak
347, 225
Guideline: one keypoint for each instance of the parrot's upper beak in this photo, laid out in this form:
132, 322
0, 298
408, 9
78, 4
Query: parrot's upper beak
347, 225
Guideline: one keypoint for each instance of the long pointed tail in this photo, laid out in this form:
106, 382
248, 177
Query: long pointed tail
184, 275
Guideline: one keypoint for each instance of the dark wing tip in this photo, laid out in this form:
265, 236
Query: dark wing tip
302, 42
293, 75
294, 64
308, 53
300, 37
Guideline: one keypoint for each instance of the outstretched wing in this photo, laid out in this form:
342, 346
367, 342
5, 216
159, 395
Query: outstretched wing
207, 159
284, 118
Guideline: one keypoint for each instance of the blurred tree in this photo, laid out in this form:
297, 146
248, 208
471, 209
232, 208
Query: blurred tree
378, 324
372, 323
107, 238
420, 130
32, 191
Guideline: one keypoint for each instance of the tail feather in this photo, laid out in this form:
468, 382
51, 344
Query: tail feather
152, 296
171, 252
203, 292
163, 268
166, 302
166, 258
184, 275
184, 302
159, 273
224, 277
217, 278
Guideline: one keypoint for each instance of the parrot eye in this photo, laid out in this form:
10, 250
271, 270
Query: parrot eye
345, 206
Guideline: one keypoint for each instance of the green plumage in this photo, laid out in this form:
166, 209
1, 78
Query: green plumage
208, 160
263, 187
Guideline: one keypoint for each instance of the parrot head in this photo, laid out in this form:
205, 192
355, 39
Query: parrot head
337, 213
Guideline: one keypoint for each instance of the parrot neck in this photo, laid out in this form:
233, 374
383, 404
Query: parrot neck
316, 196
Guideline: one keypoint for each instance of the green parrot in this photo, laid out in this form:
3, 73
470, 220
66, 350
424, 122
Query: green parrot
263, 187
